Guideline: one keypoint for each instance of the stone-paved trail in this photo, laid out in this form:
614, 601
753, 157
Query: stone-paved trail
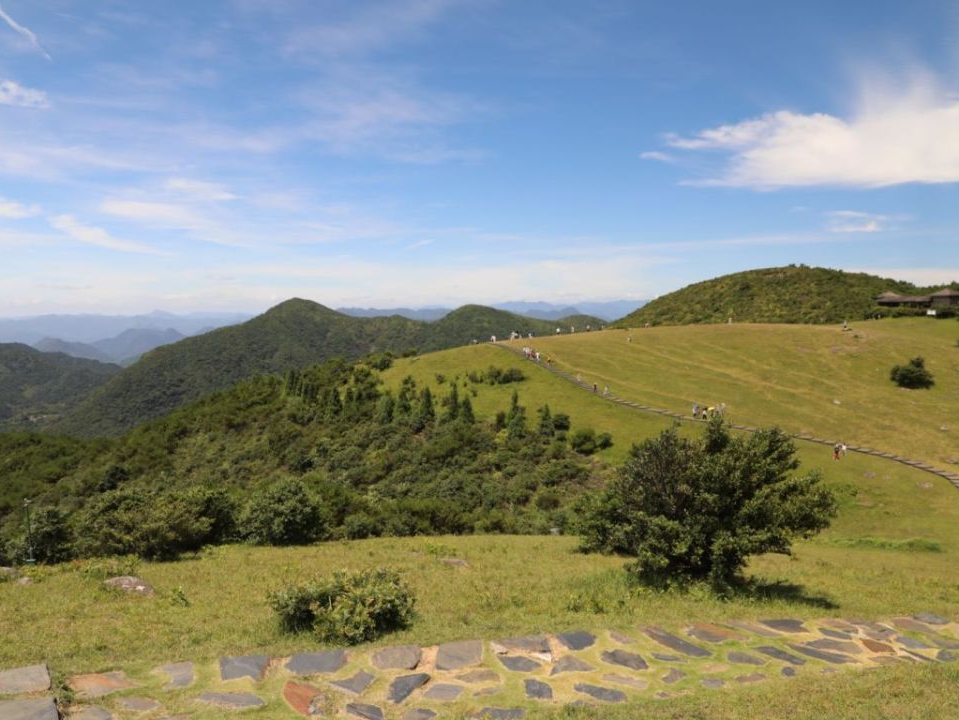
500, 679
952, 477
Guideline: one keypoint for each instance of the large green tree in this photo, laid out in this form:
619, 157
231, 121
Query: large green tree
690, 509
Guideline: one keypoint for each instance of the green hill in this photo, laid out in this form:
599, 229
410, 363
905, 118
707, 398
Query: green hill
480, 323
793, 294
38, 387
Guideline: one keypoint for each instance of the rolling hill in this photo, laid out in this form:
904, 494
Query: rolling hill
793, 294
73, 349
37, 387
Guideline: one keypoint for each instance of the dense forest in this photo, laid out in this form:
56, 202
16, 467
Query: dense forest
320, 453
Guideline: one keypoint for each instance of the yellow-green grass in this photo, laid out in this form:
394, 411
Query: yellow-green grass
805, 378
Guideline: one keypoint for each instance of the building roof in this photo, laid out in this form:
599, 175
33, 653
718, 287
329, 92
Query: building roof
946, 292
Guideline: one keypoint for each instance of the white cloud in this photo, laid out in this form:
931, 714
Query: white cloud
13, 210
24, 32
159, 214
853, 221
199, 190
657, 156
895, 136
13, 93
91, 235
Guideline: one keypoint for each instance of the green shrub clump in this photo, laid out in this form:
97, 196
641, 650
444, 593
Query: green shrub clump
347, 608
285, 513
912, 375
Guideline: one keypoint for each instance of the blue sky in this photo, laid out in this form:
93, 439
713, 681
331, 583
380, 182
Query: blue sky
229, 154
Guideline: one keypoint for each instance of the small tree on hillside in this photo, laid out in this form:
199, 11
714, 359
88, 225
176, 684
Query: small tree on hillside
912, 375
697, 509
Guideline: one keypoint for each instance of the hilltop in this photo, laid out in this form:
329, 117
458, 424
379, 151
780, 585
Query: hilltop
38, 387
792, 294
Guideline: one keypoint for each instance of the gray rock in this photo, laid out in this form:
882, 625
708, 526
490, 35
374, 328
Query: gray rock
494, 713
402, 657
243, 666
316, 662
419, 714
443, 692
578, 640
742, 658
912, 643
535, 644
456, 655
931, 618
835, 634
30, 679
354, 685
947, 656
232, 701
663, 657
785, 625
130, 584
92, 712
180, 674
537, 689
626, 659
840, 646
480, 675
600, 693
634, 683
404, 685
364, 711
37, 709
712, 683
751, 678
673, 676
138, 704
621, 638
788, 671
778, 654
568, 663
830, 657
676, 643
519, 664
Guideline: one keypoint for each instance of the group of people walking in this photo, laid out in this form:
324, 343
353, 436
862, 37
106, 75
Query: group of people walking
704, 412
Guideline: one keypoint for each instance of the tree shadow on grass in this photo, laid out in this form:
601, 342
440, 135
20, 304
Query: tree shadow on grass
777, 590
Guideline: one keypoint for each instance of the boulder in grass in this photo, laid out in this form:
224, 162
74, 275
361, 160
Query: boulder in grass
130, 584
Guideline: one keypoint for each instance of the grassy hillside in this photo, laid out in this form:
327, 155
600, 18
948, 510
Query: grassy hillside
38, 387
793, 294
807, 379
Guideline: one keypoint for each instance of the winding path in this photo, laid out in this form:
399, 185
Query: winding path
951, 477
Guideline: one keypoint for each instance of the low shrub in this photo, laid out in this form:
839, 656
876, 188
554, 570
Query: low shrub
346, 608
912, 375
285, 513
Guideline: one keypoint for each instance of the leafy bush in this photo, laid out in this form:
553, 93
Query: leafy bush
585, 441
494, 375
347, 608
49, 541
912, 375
696, 509
283, 514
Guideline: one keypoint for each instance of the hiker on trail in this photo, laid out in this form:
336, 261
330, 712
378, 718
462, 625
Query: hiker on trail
572, 329
579, 378
605, 390
549, 360
594, 388
843, 448
558, 331
695, 410
492, 338
629, 338
835, 451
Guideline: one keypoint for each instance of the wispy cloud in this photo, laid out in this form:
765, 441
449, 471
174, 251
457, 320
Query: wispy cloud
13, 210
73, 228
157, 214
13, 93
895, 136
853, 221
657, 156
24, 32
199, 190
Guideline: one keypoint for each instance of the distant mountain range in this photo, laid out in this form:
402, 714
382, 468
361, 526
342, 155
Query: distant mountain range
124, 349
607, 311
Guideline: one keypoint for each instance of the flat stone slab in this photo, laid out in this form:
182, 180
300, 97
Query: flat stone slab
912, 643
707, 632
243, 666
316, 662
569, 663
743, 658
37, 709
780, 654
666, 657
478, 676
826, 656
751, 678
355, 684
403, 686
419, 714
519, 663
20, 681
753, 629
495, 713
635, 683
180, 674
537, 689
232, 701
443, 692
535, 644
788, 671
785, 625
301, 697
578, 640
676, 643
95, 685
673, 676
626, 659
138, 704
877, 647
712, 683
456, 655
402, 657
839, 646
364, 711
91, 712
931, 618
621, 638
600, 693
